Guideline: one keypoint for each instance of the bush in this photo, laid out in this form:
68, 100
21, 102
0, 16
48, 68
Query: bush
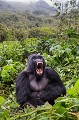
61, 56
30, 46
64, 59
10, 71
71, 33
11, 50
3, 33
41, 32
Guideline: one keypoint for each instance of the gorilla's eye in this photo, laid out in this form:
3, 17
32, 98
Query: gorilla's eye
39, 68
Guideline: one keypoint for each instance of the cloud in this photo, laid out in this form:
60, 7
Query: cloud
28, 1
21, 0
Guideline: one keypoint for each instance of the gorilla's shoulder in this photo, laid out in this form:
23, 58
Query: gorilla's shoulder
50, 70
51, 73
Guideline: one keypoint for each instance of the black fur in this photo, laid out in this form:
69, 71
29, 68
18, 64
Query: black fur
24, 93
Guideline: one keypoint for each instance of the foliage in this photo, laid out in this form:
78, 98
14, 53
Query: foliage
42, 32
12, 34
74, 90
63, 56
17, 34
24, 19
30, 46
3, 33
9, 71
67, 112
43, 45
10, 50
71, 33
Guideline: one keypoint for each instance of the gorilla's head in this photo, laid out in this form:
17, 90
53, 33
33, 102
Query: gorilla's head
36, 64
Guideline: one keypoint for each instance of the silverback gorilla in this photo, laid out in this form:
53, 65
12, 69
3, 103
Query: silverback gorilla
37, 83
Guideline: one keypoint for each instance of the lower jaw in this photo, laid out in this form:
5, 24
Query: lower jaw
38, 76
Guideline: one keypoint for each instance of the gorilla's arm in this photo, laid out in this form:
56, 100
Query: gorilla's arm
55, 88
23, 92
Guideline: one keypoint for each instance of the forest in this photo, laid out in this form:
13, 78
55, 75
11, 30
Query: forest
56, 38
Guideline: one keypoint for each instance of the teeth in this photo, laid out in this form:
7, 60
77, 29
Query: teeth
39, 63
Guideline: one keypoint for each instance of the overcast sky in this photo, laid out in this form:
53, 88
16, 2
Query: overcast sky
48, 1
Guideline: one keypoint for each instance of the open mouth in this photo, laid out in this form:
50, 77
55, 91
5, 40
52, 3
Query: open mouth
39, 68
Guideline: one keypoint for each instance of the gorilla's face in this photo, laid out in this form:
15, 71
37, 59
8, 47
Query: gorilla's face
39, 66
37, 63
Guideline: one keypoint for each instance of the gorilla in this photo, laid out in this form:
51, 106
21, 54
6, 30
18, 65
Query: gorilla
37, 84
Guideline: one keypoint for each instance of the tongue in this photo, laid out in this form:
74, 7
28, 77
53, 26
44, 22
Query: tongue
39, 71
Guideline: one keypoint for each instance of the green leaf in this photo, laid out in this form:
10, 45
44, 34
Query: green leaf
76, 86
72, 92
1, 100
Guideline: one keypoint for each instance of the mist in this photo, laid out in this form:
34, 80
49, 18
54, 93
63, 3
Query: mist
28, 1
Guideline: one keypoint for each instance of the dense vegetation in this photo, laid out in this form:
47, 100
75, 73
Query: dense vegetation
60, 47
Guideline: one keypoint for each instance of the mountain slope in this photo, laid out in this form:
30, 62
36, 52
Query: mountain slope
40, 5
5, 6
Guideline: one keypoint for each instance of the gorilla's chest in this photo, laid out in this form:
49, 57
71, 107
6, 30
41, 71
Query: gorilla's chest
38, 85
